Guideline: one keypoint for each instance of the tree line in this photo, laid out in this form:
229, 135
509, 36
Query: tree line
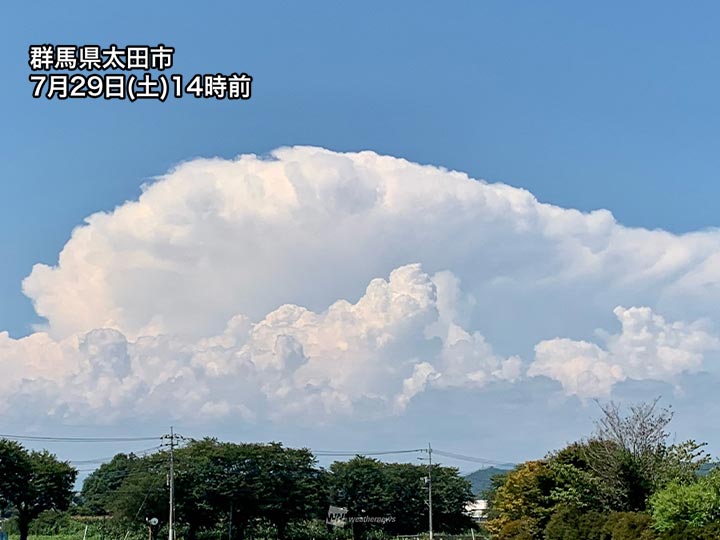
625, 482
234, 491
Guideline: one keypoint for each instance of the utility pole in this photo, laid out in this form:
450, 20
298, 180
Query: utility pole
428, 481
230, 531
430, 524
171, 520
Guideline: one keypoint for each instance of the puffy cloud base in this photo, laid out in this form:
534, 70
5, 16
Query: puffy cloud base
366, 358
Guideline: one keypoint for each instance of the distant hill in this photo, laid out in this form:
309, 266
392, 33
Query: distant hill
480, 479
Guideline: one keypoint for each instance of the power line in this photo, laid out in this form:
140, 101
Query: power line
317, 453
77, 439
473, 459
332, 453
103, 460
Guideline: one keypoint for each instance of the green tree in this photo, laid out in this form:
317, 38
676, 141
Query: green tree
142, 494
360, 485
575, 484
451, 493
631, 456
216, 485
368, 487
570, 523
406, 489
693, 505
525, 528
524, 500
14, 470
32, 482
100, 486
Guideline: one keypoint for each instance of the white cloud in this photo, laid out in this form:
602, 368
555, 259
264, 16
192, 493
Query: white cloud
307, 226
192, 294
647, 347
369, 358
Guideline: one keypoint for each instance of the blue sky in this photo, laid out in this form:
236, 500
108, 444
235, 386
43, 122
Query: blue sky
609, 105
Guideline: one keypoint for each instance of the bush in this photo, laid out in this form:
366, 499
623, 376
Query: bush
629, 526
684, 532
570, 524
692, 505
520, 529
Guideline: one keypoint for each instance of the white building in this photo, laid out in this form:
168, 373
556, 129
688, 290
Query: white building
477, 509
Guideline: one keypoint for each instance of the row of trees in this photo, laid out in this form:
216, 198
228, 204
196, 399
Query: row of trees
234, 491
233, 487
626, 482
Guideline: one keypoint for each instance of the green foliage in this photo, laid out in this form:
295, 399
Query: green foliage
451, 493
224, 485
523, 503
569, 523
600, 488
628, 526
686, 532
100, 487
368, 487
267, 490
575, 484
694, 505
32, 483
519, 529
631, 456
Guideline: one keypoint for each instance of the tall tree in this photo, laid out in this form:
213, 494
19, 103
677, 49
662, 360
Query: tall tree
131, 489
631, 454
33, 482
100, 486
523, 502
451, 493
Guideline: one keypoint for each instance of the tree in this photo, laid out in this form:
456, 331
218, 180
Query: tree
217, 485
406, 490
569, 523
451, 494
525, 528
33, 482
629, 526
575, 485
361, 486
693, 505
288, 485
398, 491
100, 486
523, 500
141, 494
631, 456
235, 484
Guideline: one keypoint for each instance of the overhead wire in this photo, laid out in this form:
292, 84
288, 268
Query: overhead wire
316, 453
77, 439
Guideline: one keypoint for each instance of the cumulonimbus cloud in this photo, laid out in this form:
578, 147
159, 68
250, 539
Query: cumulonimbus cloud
225, 281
